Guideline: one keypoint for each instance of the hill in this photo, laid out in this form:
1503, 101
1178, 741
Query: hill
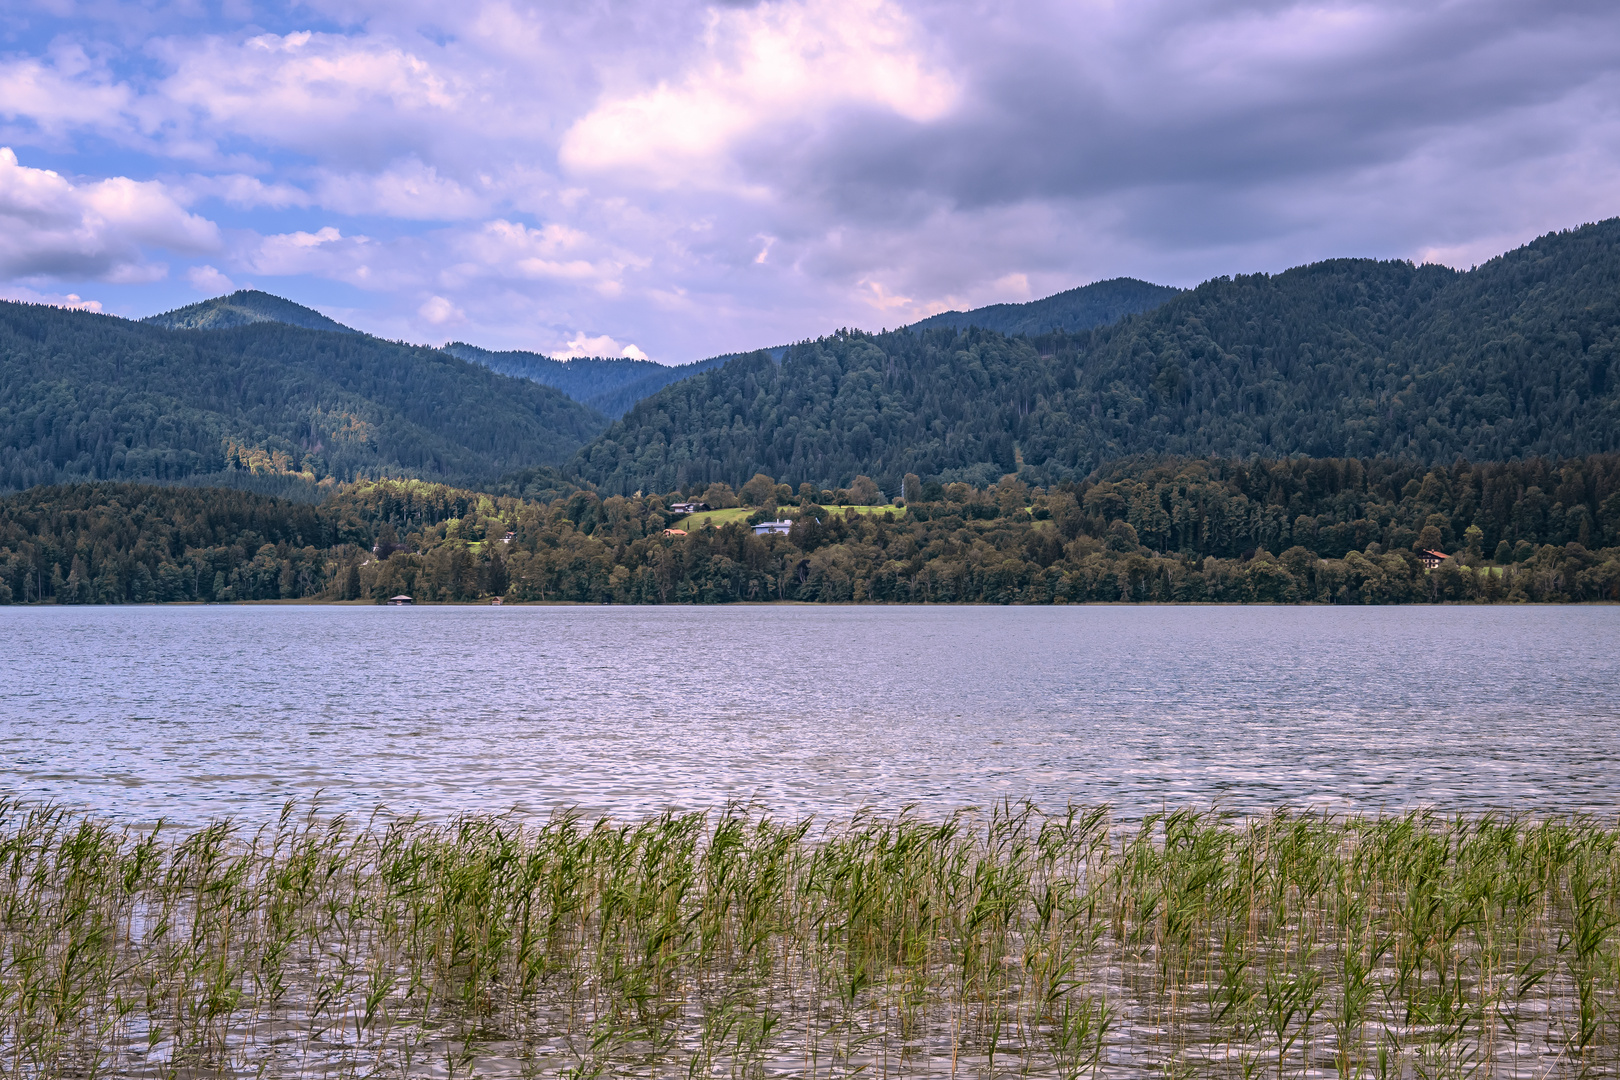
86, 396
1079, 309
1347, 358
610, 385
243, 308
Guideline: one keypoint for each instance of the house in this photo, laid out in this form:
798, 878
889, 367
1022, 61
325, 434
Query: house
508, 538
496, 602
1432, 559
674, 532
688, 507
765, 528
400, 601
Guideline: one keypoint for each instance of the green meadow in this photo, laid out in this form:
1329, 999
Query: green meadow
1000, 944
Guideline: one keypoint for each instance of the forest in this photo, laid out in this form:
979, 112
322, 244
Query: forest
1329, 531
1097, 304
608, 384
92, 397
1348, 358
1342, 359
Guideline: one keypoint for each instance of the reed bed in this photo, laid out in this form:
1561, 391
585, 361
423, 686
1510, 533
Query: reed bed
1008, 943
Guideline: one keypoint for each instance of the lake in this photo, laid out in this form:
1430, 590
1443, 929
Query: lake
195, 712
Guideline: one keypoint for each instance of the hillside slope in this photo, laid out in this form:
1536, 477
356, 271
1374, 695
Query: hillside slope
1079, 309
1348, 358
243, 308
610, 385
86, 396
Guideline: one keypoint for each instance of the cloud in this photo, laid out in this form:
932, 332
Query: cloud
62, 92
26, 295
438, 311
704, 177
778, 65
206, 279
51, 226
325, 252
244, 192
407, 189
580, 346
343, 98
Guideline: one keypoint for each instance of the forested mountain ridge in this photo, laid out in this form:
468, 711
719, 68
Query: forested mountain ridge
85, 396
1351, 357
610, 385
1097, 304
243, 308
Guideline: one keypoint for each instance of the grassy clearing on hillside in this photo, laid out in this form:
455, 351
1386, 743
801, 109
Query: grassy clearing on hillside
717, 518
733, 944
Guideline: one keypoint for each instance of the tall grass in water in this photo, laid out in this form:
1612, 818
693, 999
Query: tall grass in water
1008, 944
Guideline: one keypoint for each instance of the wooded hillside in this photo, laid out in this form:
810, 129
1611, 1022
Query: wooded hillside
86, 396
1348, 358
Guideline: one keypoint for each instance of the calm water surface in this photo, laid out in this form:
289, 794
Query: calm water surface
195, 712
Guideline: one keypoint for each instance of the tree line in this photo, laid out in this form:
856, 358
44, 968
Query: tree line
1304, 530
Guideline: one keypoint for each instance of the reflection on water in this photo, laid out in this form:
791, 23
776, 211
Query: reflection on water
194, 712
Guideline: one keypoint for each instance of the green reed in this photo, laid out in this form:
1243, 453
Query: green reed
1006, 943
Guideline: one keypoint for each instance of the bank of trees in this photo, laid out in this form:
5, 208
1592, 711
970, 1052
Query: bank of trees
1321, 531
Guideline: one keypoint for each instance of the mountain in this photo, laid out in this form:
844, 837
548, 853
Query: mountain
242, 308
1346, 358
1079, 309
610, 385
86, 396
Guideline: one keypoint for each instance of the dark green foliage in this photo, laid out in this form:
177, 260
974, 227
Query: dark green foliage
115, 543
130, 543
1325, 531
1328, 531
539, 484
610, 385
1350, 358
87, 396
242, 308
1092, 305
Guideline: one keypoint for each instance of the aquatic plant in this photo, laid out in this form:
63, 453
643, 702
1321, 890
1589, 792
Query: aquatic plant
1009, 942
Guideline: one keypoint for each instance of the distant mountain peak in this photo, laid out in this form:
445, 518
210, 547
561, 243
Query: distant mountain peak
242, 308
1097, 304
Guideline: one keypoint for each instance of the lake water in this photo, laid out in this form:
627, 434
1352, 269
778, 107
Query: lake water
195, 712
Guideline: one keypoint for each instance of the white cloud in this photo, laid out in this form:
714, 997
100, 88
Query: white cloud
341, 97
407, 189
769, 65
68, 91
207, 279
440, 312
323, 253
603, 345
26, 295
549, 253
244, 192
52, 226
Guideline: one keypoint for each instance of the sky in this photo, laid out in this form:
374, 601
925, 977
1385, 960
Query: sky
677, 180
